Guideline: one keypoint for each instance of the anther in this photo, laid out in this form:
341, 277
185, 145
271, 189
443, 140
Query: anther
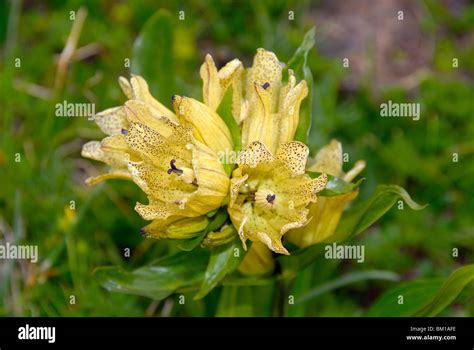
173, 168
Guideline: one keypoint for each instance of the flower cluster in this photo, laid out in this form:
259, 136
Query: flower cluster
173, 157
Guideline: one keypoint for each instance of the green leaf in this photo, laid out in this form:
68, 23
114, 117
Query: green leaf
235, 302
152, 56
346, 280
423, 298
161, 278
448, 292
192, 243
212, 213
216, 221
303, 282
247, 281
354, 221
299, 259
223, 261
336, 185
263, 300
366, 212
299, 64
415, 294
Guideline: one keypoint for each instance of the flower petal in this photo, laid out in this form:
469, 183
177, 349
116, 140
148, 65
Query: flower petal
215, 83
261, 123
112, 174
258, 260
94, 150
212, 180
289, 108
294, 155
141, 92
266, 71
254, 154
325, 215
328, 160
112, 121
207, 126
126, 87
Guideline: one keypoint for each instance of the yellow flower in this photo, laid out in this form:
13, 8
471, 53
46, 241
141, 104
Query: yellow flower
327, 211
166, 157
113, 122
206, 125
216, 83
267, 109
269, 194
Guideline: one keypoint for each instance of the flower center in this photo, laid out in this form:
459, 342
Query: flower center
271, 198
186, 174
265, 198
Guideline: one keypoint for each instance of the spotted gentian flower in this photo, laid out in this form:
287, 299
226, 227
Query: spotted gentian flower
267, 109
167, 155
270, 193
327, 211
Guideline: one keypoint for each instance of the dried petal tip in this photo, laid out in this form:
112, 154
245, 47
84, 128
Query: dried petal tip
143, 232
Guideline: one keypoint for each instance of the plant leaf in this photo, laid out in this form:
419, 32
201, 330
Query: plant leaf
346, 280
235, 302
223, 261
415, 294
448, 292
423, 298
299, 64
247, 281
225, 112
336, 185
365, 213
299, 259
152, 56
216, 221
159, 279
189, 244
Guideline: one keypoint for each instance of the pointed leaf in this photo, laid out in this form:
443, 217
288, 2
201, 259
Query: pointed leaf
336, 185
235, 302
159, 279
414, 293
365, 213
152, 56
346, 280
299, 64
448, 292
224, 260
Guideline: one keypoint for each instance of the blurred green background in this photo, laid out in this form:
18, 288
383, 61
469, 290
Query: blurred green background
409, 60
